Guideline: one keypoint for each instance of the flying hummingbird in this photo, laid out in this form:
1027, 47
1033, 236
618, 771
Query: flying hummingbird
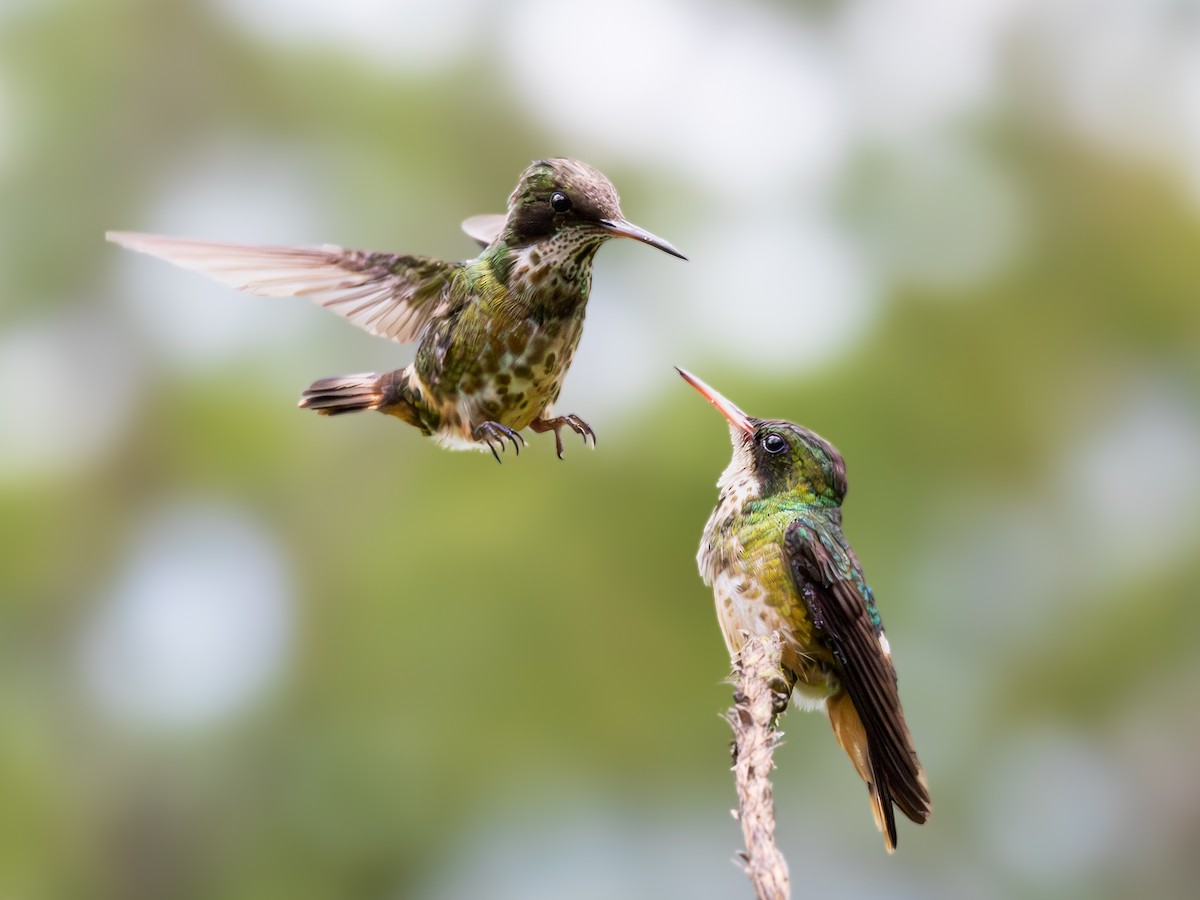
495, 335
774, 553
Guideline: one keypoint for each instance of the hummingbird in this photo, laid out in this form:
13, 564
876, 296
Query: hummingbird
495, 335
775, 556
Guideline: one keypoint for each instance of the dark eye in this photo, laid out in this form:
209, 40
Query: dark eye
560, 202
773, 443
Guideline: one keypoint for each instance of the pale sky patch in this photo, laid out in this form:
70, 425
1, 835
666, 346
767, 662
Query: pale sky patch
196, 626
405, 35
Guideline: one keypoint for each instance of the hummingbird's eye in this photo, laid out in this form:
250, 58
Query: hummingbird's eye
774, 443
560, 202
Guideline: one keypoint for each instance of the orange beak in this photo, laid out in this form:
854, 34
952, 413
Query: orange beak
736, 417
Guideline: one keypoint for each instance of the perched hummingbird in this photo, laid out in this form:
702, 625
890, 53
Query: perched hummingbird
495, 335
774, 553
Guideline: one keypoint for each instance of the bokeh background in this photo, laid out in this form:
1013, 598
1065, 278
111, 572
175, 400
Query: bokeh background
249, 653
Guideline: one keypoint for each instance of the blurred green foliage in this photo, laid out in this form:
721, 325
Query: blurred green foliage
482, 651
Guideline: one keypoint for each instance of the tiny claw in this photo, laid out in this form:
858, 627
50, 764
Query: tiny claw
583, 429
493, 434
571, 421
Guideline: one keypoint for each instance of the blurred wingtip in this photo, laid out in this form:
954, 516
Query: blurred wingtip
484, 228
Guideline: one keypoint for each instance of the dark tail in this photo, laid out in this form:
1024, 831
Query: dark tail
891, 771
344, 394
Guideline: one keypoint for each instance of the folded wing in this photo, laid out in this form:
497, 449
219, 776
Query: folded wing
829, 579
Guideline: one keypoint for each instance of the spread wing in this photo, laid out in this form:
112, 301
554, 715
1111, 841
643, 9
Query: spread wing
830, 580
390, 295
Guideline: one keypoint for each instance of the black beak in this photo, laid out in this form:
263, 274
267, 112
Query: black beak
623, 228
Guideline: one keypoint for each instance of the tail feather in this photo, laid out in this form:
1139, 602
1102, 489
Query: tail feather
343, 394
892, 774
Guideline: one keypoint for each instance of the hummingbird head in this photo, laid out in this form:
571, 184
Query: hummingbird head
776, 456
568, 198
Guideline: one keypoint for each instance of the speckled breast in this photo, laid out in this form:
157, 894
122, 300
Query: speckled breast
754, 593
517, 370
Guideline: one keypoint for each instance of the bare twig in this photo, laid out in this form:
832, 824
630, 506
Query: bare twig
757, 681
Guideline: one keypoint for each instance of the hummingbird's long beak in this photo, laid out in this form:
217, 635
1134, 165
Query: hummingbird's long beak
624, 228
736, 417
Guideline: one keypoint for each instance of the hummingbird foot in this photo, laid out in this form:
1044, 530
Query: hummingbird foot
780, 696
781, 691
572, 421
494, 435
